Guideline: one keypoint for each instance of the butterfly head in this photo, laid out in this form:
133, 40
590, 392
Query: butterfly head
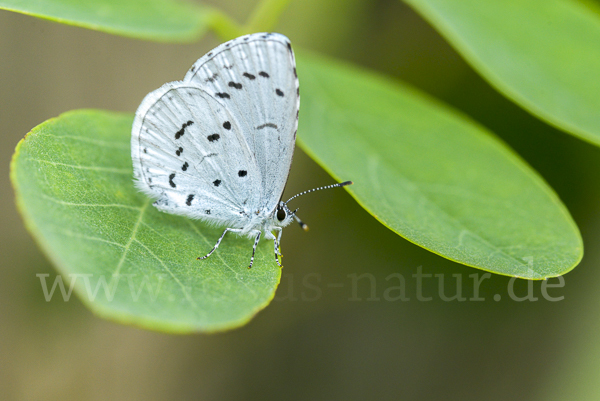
284, 216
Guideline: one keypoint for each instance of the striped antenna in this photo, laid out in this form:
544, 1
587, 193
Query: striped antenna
303, 225
341, 184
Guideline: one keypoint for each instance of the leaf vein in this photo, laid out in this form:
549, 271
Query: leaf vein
61, 202
183, 288
131, 239
87, 237
93, 168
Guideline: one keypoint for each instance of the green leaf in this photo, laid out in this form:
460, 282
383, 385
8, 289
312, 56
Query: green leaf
432, 175
542, 54
160, 20
73, 180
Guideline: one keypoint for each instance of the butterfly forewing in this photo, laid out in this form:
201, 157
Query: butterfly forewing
189, 152
254, 77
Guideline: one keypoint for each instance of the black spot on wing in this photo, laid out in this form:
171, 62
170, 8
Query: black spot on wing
207, 211
235, 85
179, 151
185, 166
161, 202
217, 183
171, 180
270, 125
180, 133
145, 150
295, 73
289, 45
279, 92
213, 137
263, 74
223, 95
208, 155
242, 173
212, 78
227, 125
189, 200
249, 76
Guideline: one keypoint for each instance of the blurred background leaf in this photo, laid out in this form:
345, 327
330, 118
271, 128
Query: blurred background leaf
542, 54
72, 176
160, 20
433, 176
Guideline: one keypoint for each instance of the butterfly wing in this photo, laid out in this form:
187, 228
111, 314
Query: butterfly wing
189, 153
255, 78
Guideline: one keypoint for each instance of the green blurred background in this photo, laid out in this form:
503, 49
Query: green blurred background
309, 343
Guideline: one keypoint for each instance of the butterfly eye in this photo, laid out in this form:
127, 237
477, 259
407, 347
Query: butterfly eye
281, 214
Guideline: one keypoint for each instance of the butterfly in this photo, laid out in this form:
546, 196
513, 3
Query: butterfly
218, 145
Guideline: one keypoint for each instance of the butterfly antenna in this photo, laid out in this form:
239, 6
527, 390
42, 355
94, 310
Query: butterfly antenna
341, 184
303, 225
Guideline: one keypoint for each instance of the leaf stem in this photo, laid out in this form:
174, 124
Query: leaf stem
225, 27
265, 16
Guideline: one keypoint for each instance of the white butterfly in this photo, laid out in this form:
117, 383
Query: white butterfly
218, 145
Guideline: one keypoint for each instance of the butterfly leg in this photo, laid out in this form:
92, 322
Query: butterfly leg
277, 244
269, 235
254, 249
233, 230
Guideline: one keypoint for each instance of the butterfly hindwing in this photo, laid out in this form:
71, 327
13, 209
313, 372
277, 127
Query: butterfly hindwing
190, 155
